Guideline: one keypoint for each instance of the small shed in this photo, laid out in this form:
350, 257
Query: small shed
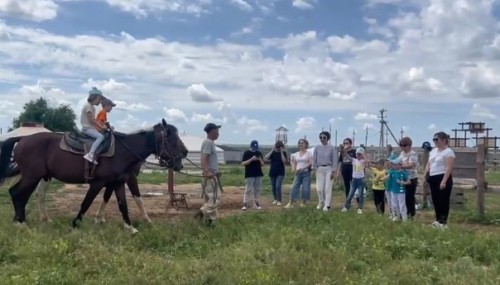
26, 129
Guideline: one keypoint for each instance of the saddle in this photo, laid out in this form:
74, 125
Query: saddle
79, 143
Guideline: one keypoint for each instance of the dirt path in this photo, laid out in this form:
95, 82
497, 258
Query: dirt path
66, 202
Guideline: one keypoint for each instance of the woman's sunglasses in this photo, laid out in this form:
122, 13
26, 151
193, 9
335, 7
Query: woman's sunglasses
435, 139
323, 138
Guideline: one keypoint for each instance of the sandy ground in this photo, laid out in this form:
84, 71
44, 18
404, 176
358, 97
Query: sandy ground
66, 202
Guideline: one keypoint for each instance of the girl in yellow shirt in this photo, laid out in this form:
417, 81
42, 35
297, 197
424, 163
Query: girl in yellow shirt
379, 175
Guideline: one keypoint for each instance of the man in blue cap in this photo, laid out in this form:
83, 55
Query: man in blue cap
253, 162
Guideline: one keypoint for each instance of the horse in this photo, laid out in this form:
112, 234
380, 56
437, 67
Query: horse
40, 156
133, 187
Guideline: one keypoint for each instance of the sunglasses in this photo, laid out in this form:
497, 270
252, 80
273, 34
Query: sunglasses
435, 139
346, 143
323, 138
403, 145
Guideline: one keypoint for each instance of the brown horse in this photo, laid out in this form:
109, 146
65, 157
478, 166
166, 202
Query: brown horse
132, 184
39, 156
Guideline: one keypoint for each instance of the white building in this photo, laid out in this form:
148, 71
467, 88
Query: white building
193, 144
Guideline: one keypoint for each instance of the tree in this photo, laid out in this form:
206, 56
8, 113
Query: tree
60, 119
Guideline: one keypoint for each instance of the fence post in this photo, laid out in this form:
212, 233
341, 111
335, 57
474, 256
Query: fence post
481, 165
170, 187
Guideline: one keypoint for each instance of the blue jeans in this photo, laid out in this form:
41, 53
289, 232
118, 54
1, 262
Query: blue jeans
356, 184
303, 179
96, 135
276, 182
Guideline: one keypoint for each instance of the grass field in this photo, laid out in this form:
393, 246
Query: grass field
299, 246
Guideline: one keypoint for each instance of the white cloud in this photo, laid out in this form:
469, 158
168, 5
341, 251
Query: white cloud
242, 4
432, 126
302, 4
480, 112
365, 116
415, 79
368, 126
131, 123
481, 81
175, 115
142, 8
305, 123
105, 86
33, 10
252, 125
205, 118
133, 107
199, 93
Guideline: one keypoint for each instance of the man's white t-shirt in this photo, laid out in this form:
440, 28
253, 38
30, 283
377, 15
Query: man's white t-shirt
437, 160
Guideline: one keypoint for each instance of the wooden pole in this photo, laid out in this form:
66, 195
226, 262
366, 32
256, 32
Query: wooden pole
170, 182
481, 165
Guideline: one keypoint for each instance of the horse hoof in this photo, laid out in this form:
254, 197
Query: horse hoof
100, 220
131, 229
45, 219
148, 220
75, 224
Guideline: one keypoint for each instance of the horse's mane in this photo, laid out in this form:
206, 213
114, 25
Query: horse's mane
150, 129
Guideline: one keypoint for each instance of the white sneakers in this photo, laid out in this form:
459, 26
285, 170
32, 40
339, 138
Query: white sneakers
345, 210
90, 157
438, 225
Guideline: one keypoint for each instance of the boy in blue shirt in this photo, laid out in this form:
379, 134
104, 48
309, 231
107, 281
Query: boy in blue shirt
396, 181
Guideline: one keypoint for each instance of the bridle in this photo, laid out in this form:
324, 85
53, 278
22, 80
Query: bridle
162, 149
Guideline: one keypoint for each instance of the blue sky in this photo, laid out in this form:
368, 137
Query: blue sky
253, 65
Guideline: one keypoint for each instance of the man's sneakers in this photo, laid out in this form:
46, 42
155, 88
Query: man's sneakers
256, 207
90, 157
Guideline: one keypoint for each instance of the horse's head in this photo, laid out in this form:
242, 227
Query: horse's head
169, 147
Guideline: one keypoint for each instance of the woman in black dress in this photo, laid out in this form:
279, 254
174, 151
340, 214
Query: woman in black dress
345, 165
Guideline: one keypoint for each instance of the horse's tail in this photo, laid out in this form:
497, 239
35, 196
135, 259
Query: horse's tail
6, 168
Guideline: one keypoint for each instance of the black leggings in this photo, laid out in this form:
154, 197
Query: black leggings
379, 199
347, 177
410, 196
441, 198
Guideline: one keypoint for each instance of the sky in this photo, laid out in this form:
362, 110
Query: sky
254, 65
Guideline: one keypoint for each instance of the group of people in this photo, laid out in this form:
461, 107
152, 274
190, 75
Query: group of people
394, 179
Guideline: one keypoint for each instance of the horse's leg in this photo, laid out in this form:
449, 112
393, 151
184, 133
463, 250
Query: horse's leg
133, 186
122, 205
95, 188
41, 190
20, 194
100, 215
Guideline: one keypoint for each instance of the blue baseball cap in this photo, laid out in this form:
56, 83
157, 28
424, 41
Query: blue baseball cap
254, 144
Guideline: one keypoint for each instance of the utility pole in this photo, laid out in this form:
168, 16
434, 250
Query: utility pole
382, 118
336, 142
353, 135
366, 137
402, 132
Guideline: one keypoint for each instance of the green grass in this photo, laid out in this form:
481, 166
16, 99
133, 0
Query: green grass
299, 246
231, 175
493, 177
